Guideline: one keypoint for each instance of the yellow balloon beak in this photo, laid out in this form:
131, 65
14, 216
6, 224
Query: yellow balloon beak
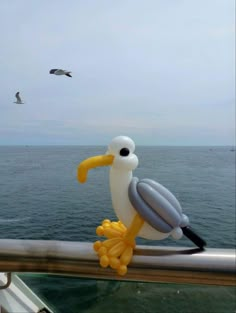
86, 165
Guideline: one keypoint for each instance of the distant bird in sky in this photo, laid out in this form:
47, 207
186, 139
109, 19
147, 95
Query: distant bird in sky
18, 98
57, 71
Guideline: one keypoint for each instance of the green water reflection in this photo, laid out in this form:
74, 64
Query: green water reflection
72, 295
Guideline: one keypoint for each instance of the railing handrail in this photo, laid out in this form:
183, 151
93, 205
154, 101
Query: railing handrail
149, 263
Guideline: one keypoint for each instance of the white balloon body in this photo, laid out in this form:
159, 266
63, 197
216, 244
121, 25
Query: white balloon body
119, 184
120, 178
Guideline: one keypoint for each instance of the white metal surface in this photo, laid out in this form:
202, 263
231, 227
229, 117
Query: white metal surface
18, 297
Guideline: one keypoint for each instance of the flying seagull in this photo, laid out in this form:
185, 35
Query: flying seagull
57, 71
18, 98
144, 207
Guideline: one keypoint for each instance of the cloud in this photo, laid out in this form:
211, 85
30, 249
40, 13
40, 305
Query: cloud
162, 67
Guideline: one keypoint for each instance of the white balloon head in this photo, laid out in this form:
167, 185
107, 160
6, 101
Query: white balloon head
122, 148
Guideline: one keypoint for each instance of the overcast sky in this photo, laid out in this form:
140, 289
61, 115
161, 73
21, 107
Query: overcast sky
161, 71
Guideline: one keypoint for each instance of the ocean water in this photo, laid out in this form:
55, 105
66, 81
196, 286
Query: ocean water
40, 198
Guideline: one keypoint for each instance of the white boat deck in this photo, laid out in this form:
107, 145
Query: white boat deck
19, 298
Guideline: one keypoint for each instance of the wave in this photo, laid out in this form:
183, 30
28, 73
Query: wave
13, 220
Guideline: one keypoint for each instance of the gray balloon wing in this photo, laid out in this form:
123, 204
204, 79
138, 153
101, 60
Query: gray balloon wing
156, 204
164, 192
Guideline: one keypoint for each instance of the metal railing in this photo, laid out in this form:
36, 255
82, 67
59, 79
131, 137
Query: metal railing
149, 263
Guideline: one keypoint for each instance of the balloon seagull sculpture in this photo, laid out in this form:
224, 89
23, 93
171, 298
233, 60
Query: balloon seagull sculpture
144, 207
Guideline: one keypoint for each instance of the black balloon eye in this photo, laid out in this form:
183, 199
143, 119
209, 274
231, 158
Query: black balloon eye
124, 152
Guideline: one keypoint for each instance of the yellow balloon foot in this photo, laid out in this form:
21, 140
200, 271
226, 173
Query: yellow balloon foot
97, 245
100, 231
122, 270
115, 252
104, 261
111, 229
114, 263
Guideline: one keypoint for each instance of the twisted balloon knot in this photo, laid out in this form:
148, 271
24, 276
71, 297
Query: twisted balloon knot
129, 242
